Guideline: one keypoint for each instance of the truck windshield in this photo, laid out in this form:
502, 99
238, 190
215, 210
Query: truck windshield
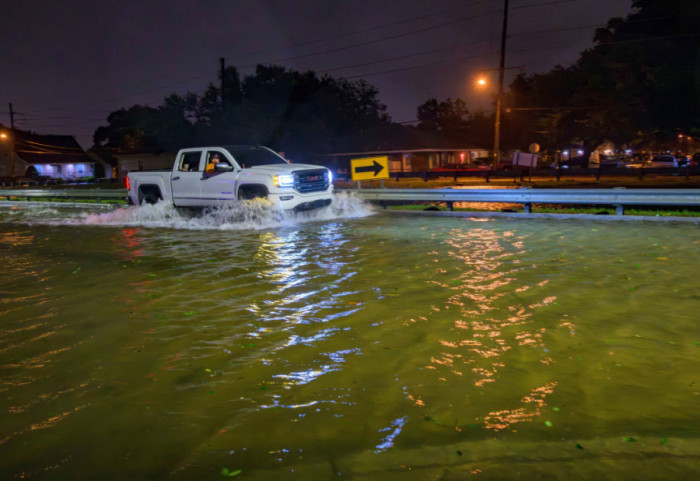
253, 156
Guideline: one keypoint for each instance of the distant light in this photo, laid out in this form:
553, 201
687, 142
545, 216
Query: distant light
580, 152
3, 135
566, 152
628, 152
481, 82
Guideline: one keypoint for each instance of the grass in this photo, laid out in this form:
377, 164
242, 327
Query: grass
548, 209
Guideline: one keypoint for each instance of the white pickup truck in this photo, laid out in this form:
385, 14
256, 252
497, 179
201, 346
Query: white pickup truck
242, 172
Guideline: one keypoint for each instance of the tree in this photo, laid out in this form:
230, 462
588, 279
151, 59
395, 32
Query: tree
639, 83
450, 117
298, 113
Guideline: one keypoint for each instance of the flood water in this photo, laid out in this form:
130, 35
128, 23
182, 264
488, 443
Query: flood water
144, 344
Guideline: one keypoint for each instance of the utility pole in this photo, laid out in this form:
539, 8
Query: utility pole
12, 142
499, 98
223, 85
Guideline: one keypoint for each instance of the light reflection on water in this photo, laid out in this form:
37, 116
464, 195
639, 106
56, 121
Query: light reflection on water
355, 348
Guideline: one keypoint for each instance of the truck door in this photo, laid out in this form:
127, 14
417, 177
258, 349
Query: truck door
219, 181
186, 179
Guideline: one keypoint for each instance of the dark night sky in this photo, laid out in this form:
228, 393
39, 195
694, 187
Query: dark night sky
65, 65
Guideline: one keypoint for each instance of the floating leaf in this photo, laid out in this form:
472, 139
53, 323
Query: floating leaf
578, 446
152, 275
230, 474
458, 453
629, 439
190, 313
664, 441
548, 424
555, 408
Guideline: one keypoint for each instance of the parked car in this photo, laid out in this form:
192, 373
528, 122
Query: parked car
610, 161
461, 168
662, 160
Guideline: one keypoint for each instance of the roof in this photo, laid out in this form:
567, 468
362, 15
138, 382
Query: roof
405, 151
48, 149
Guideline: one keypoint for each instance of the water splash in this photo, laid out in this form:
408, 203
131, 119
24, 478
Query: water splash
243, 215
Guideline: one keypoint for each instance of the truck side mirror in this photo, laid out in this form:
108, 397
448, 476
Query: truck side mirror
221, 167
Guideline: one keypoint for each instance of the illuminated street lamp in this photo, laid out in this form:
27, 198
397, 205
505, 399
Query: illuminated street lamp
5, 137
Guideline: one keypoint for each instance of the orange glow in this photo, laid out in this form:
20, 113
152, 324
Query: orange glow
481, 82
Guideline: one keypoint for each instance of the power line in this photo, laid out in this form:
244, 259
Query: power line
382, 39
459, 59
404, 56
545, 4
365, 30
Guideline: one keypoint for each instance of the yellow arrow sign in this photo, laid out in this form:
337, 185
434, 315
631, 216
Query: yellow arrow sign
370, 168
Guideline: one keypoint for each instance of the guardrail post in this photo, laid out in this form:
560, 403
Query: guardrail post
450, 206
558, 174
425, 176
527, 209
641, 173
597, 173
620, 209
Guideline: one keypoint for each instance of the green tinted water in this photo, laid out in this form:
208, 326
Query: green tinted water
155, 347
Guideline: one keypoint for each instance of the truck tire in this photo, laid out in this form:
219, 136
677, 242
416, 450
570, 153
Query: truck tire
149, 199
248, 192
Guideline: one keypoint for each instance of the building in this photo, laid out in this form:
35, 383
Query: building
144, 161
408, 160
25, 154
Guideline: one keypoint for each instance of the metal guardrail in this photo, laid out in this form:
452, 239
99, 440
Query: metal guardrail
33, 194
522, 172
616, 197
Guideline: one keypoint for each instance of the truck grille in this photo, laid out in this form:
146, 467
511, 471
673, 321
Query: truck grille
311, 180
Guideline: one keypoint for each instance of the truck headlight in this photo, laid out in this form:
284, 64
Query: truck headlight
284, 180
330, 176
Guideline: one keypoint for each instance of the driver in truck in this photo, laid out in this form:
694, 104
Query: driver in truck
211, 165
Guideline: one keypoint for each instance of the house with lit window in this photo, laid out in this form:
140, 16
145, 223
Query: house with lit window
25, 154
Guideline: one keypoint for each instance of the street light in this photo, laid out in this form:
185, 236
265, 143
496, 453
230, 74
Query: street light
5, 137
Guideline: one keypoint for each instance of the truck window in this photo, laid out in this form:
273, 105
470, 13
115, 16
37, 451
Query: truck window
254, 156
189, 162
